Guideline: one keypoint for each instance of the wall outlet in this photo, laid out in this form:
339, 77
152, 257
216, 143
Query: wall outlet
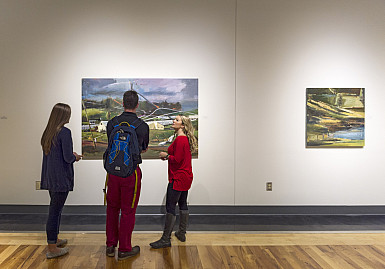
269, 186
37, 184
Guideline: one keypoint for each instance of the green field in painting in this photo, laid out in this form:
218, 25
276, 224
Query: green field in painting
335, 117
92, 150
340, 143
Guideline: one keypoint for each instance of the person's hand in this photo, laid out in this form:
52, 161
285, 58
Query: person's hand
78, 157
163, 156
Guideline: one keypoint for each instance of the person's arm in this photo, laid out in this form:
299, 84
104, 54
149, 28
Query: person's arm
78, 157
179, 152
146, 138
67, 147
163, 156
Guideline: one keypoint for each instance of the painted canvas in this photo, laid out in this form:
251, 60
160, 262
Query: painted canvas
335, 117
160, 101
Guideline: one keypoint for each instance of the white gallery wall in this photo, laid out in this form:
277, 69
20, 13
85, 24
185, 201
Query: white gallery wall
284, 47
254, 60
47, 47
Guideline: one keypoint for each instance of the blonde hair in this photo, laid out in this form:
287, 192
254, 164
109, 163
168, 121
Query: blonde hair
60, 115
188, 130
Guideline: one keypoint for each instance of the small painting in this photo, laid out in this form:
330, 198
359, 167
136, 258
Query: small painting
160, 101
335, 117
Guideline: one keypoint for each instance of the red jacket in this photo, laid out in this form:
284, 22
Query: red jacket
179, 164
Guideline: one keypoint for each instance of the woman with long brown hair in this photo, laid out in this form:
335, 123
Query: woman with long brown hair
57, 174
180, 178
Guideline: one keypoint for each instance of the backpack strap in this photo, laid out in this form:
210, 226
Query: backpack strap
136, 188
115, 122
120, 124
105, 189
134, 123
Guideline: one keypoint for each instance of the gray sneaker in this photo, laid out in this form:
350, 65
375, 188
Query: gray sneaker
62, 252
61, 242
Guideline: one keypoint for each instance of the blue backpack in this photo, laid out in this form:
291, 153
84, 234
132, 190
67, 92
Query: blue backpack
123, 153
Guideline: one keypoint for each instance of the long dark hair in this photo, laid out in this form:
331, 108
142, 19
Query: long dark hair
60, 115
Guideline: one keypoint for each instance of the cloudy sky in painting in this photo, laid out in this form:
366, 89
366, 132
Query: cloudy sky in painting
184, 91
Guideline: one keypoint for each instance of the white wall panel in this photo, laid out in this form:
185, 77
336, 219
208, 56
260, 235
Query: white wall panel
254, 61
284, 47
47, 47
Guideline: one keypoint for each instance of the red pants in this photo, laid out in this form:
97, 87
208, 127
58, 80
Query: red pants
121, 198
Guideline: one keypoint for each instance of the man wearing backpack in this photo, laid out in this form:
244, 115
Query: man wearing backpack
123, 192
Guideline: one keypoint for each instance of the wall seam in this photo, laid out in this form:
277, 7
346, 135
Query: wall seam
235, 97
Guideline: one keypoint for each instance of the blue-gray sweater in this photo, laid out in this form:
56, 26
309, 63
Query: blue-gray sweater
57, 173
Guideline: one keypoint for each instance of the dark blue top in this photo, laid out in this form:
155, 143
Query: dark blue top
57, 173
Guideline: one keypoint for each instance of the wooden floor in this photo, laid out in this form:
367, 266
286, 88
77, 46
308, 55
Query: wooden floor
201, 250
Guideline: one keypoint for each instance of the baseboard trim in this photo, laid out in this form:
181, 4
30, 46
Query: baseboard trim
205, 218
206, 210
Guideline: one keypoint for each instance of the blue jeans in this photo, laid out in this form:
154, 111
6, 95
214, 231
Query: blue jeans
174, 197
55, 208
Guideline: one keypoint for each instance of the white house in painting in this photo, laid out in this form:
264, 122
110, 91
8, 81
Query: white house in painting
155, 125
102, 127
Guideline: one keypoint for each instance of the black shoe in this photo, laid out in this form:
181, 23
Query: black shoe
183, 222
165, 240
161, 243
181, 236
128, 254
110, 251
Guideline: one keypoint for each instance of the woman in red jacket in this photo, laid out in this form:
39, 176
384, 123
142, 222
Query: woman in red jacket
180, 177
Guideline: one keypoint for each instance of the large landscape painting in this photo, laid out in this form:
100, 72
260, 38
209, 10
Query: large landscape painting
160, 100
335, 117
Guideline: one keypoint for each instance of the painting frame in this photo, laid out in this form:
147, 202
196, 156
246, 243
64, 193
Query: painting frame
335, 117
160, 101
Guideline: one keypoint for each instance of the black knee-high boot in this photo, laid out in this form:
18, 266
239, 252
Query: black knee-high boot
183, 222
165, 240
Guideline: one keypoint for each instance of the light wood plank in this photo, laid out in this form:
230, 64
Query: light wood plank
203, 251
7, 251
196, 239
